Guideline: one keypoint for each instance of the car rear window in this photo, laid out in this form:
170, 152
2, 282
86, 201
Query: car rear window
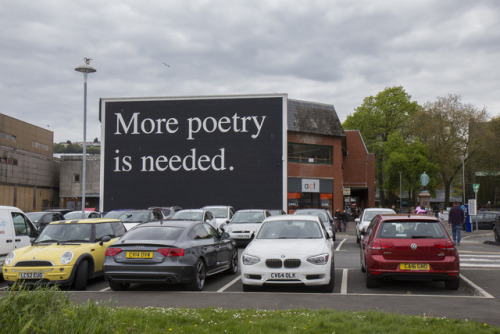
290, 229
412, 230
153, 233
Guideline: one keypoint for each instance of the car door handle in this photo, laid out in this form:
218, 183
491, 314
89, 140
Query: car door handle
18, 240
8, 240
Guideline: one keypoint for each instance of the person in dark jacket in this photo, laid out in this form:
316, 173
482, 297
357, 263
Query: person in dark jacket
455, 220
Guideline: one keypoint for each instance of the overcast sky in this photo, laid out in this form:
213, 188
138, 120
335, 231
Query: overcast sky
334, 51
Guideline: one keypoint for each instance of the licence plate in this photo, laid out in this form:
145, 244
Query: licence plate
240, 236
283, 275
414, 266
31, 275
139, 255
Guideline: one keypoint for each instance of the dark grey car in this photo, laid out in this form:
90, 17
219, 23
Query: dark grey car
169, 252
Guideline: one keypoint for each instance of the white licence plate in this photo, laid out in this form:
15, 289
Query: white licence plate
241, 236
283, 275
31, 275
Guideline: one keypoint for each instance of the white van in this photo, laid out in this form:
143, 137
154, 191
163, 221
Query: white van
16, 230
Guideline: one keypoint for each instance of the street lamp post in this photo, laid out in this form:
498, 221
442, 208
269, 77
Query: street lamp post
85, 69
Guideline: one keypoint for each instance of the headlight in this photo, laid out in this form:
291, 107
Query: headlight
66, 257
10, 257
249, 259
319, 259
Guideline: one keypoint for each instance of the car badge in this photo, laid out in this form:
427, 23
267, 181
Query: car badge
413, 246
283, 256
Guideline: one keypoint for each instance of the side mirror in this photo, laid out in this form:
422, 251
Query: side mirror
356, 220
104, 239
329, 234
225, 235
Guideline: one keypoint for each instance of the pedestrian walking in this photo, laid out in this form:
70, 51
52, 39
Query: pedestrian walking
455, 220
338, 219
345, 220
436, 210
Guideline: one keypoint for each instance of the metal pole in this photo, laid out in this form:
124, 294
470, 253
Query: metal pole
463, 180
84, 141
400, 194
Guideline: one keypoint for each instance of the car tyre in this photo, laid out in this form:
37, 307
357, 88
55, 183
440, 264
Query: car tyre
497, 238
453, 284
116, 286
200, 276
371, 282
233, 268
81, 276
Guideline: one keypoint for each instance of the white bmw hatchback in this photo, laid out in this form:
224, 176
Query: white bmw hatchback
289, 249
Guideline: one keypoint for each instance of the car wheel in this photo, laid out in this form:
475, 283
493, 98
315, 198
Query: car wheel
363, 268
357, 239
453, 284
497, 237
334, 237
233, 269
198, 282
370, 281
81, 276
115, 286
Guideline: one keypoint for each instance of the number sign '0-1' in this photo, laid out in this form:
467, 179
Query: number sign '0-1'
193, 152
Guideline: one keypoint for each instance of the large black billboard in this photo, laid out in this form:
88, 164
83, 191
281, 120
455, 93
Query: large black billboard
191, 152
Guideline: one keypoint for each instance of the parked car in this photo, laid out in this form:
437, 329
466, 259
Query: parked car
408, 247
276, 212
41, 218
325, 217
79, 215
289, 249
67, 253
132, 218
114, 214
222, 213
16, 230
485, 220
496, 231
168, 252
244, 224
196, 215
366, 216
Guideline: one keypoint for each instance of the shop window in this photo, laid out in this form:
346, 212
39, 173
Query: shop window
314, 154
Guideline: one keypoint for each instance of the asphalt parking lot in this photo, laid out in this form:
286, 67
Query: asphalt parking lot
476, 299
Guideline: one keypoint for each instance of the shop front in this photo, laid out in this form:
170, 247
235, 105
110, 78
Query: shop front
309, 193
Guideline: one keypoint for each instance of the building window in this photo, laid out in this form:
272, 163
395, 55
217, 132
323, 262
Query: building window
7, 136
9, 161
40, 146
314, 154
76, 178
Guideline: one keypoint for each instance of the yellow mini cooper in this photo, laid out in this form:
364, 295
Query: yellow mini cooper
66, 253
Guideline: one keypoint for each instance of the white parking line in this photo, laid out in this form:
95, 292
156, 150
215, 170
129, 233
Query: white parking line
106, 289
229, 284
340, 245
343, 287
477, 288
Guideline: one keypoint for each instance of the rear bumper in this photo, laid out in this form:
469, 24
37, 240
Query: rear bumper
149, 274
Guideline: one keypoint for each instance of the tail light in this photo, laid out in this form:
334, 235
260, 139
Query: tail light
444, 245
171, 252
382, 245
112, 251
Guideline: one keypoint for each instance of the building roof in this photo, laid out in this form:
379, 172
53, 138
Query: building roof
314, 117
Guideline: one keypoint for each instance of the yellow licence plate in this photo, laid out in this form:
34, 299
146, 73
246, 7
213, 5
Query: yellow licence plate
139, 255
414, 266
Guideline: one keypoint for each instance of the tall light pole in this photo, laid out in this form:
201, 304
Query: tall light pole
463, 179
85, 69
400, 194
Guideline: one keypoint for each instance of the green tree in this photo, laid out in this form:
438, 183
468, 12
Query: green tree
409, 159
377, 118
445, 127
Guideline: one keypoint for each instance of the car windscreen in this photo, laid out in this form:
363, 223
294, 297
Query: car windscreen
322, 215
248, 217
134, 216
412, 230
113, 214
153, 233
74, 215
218, 212
370, 214
187, 215
290, 229
65, 232
35, 216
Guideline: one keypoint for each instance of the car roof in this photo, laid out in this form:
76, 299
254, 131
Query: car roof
85, 221
217, 206
292, 217
408, 217
251, 210
192, 210
171, 223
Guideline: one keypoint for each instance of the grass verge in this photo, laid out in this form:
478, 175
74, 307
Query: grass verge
49, 310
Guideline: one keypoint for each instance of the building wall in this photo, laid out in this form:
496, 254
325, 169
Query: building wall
71, 188
29, 175
359, 169
317, 171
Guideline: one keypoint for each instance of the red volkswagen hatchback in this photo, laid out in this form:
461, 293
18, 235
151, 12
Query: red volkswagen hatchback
409, 247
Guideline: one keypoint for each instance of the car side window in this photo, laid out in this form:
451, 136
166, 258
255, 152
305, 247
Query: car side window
199, 232
370, 228
208, 216
102, 230
21, 225
210, 230
118, 228
157, 215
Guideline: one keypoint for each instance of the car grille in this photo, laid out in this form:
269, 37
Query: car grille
34, 264
288, 263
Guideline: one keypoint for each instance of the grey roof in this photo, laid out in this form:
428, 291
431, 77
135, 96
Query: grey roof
311, 117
